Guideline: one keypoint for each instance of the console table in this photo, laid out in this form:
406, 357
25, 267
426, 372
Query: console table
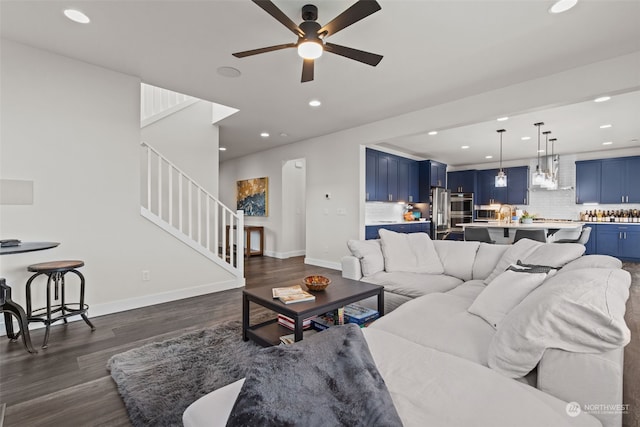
248, 229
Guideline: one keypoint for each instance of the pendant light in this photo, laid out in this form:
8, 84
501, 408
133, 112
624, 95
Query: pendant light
501, 178
547, 181
538, 177
554, 177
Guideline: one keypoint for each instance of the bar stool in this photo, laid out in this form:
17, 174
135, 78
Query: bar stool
55, 271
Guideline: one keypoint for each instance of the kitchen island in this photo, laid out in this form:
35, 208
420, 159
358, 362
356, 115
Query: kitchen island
504, 232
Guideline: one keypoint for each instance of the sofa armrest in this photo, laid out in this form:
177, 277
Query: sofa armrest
351, 267
592, 380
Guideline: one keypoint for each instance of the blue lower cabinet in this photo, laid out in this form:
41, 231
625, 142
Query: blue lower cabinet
371, 231
620, 241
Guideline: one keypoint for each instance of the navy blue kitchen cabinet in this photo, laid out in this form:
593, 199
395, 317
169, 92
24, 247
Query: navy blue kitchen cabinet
438, 174
390, 178
620, 241
619, 180
588, 175
430, 174
462, 181
518, 185
371, 174
371, 231
488, 193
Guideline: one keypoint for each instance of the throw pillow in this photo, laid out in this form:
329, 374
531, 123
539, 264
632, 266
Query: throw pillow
410, 252
518, 250
579, 311
554, 254
503, 293
370, 255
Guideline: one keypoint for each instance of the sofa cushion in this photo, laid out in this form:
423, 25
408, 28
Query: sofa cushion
457, 257
486, 259
503, 294
409, 252
593, 261
554, 254
580, 311
414, 285
441, 321
370, 254
519, 250
470, 289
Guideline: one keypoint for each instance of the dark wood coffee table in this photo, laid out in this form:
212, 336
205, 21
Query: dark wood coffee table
339, 293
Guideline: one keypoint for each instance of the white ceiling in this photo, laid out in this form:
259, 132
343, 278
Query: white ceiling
434, 52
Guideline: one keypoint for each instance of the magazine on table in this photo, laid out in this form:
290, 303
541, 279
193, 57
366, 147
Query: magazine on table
292, 294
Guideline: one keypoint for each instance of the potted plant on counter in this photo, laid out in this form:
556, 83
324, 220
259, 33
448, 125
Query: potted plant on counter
527, 218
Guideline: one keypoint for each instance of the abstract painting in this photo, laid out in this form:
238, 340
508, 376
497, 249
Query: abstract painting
253, 196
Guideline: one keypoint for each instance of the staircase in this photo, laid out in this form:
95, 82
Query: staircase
177, 204
157, 103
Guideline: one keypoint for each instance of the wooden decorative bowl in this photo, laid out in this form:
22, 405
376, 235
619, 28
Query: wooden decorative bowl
316, 282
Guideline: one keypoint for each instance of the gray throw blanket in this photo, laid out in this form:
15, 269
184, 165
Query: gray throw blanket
329, 379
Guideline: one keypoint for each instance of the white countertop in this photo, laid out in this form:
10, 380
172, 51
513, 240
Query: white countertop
395, 222
533, 226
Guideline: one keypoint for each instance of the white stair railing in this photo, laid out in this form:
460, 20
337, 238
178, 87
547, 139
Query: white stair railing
157, 103
176, 203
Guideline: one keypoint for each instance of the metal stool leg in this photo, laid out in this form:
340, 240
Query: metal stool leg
83, 315
18, 312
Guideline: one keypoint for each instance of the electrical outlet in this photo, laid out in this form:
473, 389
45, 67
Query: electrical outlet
146, 275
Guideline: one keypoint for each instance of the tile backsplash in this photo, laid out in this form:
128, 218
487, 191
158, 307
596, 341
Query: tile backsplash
379, 211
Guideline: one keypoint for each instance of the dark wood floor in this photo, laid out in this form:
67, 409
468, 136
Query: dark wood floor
68, 383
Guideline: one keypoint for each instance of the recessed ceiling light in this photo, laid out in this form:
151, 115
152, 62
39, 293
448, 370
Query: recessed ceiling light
540, 151
602, 99
433, 132
605, 126
502, 119
315, 103
465, 147
222, 148
488, 157
525, 138
77, 16
228, 72
265, 134
284, 135
607, 143
562, 6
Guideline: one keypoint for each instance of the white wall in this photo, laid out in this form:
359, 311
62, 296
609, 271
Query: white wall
74, 130
190, 141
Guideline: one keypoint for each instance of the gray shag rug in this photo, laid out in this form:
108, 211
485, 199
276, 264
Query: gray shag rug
158, 381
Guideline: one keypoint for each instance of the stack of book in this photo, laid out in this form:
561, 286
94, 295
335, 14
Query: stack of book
292, 294
287, 339
324, 321
360, 315
289, 323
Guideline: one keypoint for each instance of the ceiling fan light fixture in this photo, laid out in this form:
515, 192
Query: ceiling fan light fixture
310, 49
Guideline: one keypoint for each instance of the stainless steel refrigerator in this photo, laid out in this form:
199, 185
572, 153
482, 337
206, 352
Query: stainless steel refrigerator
440, 212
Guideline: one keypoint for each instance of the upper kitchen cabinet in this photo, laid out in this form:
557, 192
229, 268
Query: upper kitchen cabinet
588, 181
515, 193
462, 181
430, 174
619, 180
438, 174
518, 185
390, 178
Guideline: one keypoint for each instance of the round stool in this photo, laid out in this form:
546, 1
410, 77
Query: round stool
55, 271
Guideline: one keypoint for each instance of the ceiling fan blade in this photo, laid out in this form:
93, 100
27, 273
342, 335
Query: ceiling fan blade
263, 50
356, 12
355, 54
279, 15
307, 70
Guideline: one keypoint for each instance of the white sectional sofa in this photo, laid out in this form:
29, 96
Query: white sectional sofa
467, 340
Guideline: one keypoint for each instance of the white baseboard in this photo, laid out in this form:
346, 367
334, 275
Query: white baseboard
285, 255
323, 263
143, 301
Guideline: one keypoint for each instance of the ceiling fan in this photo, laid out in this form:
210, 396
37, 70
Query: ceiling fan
311, 35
